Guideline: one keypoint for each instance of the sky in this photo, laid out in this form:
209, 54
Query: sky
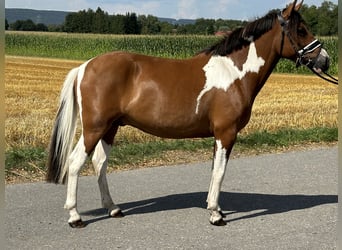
178, 9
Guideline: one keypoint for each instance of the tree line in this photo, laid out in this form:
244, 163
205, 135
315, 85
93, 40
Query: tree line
322, 21
25, 25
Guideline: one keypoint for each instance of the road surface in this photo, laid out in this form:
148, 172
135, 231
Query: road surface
275, 201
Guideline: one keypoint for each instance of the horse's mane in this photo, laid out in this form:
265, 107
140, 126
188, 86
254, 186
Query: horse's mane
241, 37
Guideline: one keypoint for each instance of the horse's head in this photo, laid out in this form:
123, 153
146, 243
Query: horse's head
298, 43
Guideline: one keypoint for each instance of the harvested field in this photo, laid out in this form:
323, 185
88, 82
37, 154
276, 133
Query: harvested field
32, 87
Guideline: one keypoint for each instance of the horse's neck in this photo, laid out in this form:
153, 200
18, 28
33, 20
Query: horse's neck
266, 51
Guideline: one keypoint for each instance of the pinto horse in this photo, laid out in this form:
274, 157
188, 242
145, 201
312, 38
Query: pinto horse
208, 95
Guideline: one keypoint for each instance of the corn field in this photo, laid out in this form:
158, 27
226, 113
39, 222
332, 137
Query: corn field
85, 46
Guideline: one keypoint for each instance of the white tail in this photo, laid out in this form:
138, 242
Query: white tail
63, 131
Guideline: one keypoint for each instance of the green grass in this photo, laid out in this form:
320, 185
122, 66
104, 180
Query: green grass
288, 137
33, 159
85, 46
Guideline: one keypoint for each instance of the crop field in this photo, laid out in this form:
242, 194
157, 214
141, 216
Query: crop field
85, 46
32, 88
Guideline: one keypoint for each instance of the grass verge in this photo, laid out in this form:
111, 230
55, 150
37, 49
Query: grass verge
28, 164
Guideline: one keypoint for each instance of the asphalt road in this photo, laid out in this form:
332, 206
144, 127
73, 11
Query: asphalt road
278, 201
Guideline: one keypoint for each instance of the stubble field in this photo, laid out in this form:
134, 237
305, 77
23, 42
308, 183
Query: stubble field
33, 86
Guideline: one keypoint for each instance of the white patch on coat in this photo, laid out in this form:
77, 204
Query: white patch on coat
221, 72
79, 80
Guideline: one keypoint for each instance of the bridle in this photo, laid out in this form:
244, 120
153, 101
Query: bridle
304, 51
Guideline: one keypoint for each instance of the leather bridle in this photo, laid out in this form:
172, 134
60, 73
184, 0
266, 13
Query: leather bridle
304, 51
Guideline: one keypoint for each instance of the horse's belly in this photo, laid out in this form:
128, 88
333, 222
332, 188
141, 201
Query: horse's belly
169, 127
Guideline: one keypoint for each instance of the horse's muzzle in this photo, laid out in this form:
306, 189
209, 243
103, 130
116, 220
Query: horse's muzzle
319, 63
322, 62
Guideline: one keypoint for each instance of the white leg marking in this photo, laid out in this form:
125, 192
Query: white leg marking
76, 161
221, 71
220, 162
100, 161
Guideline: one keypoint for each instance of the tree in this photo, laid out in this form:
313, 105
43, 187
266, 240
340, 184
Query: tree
100, 22
321, 20
16, 25
167, 28
71, 23
149, 24
27, 25
310, 15
204, 26
80, 22
327, 19
184, 29
41, 27
56, 28
117, 24
86, 21
334, 21
131, 25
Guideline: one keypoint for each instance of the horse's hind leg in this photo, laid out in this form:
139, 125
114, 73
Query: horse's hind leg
79, 155
76, 161
100, 162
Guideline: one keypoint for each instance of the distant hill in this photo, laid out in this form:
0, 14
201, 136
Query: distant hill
48, 17
37, 16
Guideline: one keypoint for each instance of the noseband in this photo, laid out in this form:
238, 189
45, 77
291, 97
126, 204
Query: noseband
302, 52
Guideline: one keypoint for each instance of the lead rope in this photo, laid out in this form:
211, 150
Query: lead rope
332, 79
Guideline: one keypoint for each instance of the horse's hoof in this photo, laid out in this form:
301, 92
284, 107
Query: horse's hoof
222, 214
219, 223
118, 214
77, 224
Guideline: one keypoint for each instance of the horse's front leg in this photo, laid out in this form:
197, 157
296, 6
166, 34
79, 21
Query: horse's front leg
222, 152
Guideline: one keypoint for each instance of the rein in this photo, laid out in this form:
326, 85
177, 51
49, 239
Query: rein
302, 52
327, 77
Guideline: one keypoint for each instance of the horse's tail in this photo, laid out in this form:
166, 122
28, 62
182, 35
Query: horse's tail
63, 131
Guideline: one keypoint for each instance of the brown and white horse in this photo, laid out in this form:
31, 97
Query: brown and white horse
208, 95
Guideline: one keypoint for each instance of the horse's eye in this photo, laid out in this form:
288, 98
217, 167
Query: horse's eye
302, 31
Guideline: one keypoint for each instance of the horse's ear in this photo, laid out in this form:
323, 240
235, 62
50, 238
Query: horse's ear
298, 6
290, 8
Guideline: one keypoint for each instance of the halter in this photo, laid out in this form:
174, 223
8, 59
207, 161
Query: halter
302, 52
